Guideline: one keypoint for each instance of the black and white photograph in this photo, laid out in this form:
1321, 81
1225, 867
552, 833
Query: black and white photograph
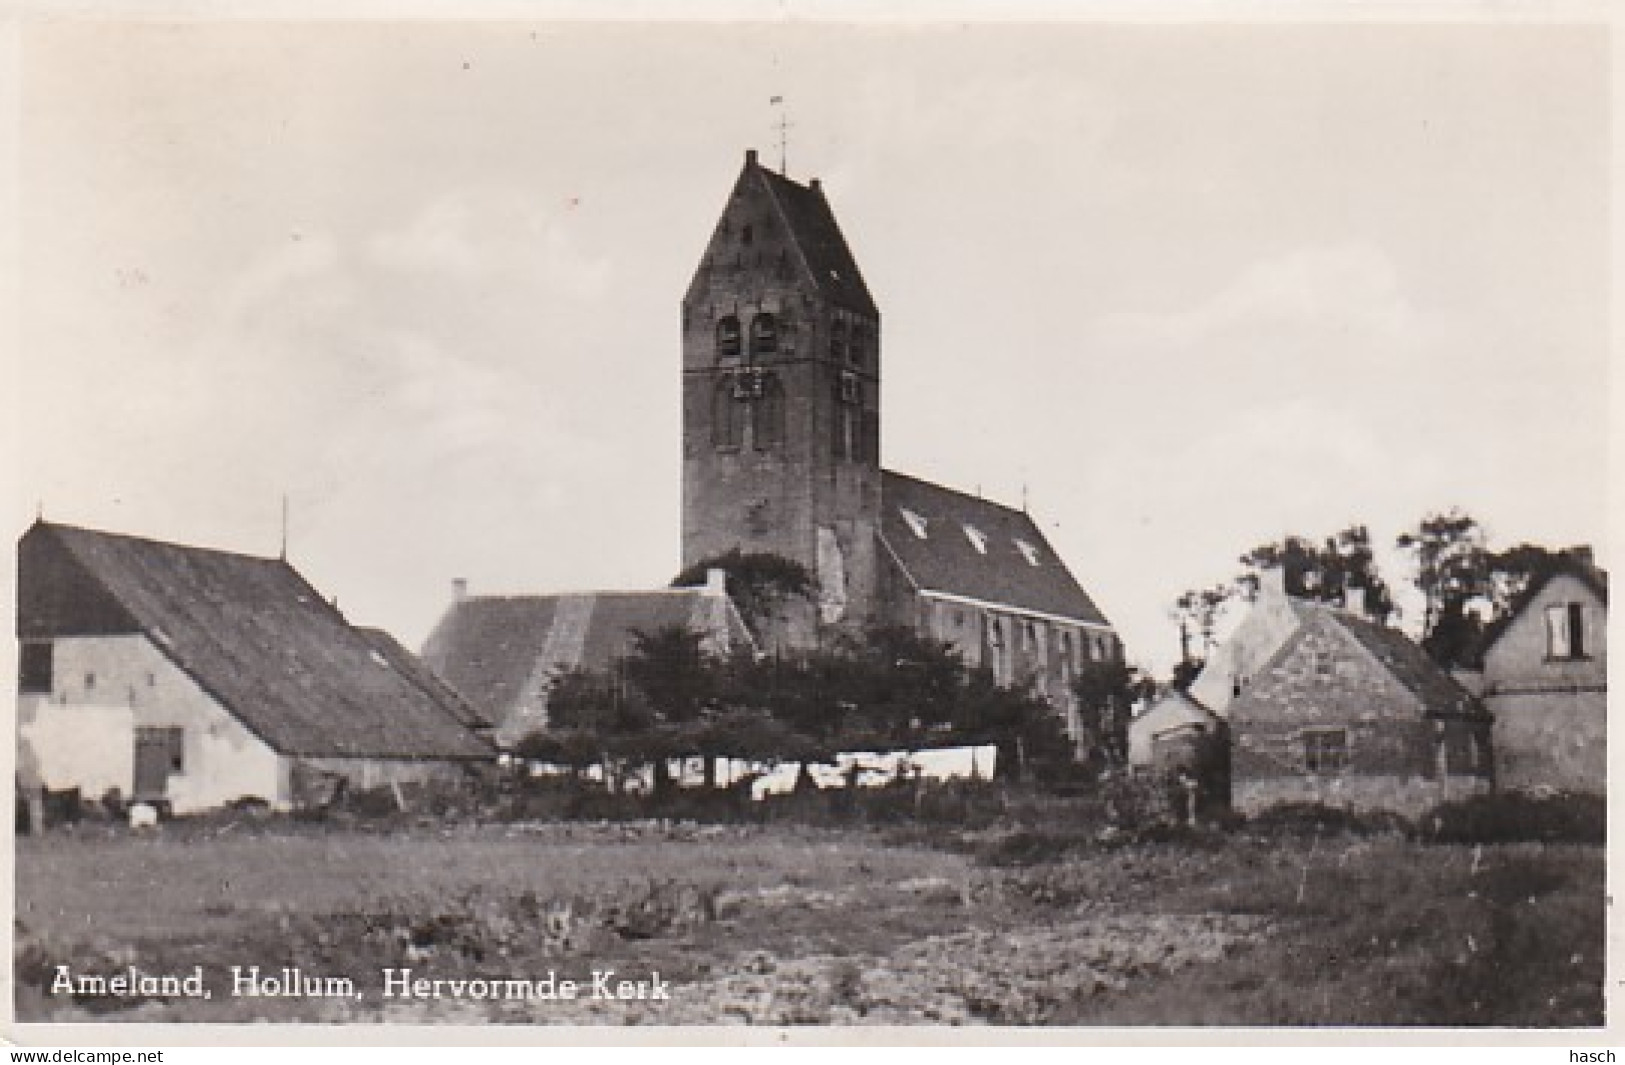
828, 523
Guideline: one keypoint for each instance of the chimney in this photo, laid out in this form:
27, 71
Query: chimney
1272, 583
716, 581
1354, 600
750, 157
816, 185
459, 589
1582, 553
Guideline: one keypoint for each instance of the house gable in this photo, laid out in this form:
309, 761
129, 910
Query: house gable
1232, 665
1524, 651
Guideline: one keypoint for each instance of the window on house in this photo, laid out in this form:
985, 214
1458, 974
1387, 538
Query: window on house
1565, 630
1326, 751
915, 522
977, 538
764, 334
34, 668
728, 338
1028, 552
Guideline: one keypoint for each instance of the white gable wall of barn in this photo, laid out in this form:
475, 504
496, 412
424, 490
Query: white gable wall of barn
220, 758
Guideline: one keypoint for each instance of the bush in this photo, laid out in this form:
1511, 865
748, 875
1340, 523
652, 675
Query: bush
1519, 817
1313, 818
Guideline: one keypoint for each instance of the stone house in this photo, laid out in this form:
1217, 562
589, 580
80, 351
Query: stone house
503, 652
1350, 713
1545, 679
190, 677
781, 372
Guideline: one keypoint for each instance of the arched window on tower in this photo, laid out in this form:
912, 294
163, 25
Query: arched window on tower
727, 416
845, 422
838, 340
728, 339
767, 416
858, 349
764, 335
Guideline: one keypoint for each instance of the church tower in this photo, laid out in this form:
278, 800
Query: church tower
781, 400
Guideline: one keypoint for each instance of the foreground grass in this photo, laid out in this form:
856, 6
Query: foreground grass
799, 926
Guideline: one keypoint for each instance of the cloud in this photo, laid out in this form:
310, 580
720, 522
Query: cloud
295, 263
1350, 289
473, 235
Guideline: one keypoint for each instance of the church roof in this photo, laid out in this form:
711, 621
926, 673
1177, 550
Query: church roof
249, 631
816, 234
956, 544
499, 652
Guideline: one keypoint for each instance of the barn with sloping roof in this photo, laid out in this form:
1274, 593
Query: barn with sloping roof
502, 652
213, 676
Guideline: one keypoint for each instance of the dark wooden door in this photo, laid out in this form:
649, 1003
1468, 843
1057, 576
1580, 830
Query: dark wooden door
157, 755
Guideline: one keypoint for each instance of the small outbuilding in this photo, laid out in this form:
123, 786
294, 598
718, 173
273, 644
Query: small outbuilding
1172, 734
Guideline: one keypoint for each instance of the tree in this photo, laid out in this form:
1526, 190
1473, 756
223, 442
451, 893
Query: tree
1198, 612
674, 672
590, 701
1510, 572
1106, 694
760, 584
1326, 570
1452, 569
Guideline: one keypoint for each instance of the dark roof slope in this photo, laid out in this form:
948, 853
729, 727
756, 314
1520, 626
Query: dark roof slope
413, 668
946, 560
1440, 694
815, 232
1587, 573
486, 648
490, 648
266, 645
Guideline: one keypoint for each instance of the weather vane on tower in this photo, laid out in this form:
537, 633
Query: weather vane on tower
783, 126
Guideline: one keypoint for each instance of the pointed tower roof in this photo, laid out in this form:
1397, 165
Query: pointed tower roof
815, 235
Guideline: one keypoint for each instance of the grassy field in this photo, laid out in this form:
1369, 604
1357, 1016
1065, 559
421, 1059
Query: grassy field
802, 926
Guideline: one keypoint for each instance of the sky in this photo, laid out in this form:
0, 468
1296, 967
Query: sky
1186, 288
